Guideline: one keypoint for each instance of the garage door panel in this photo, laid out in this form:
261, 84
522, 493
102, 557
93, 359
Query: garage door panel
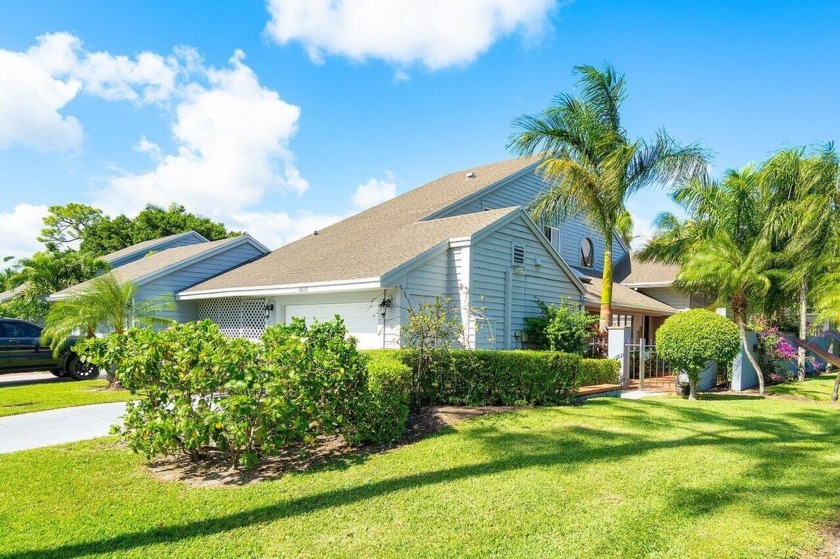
362, 319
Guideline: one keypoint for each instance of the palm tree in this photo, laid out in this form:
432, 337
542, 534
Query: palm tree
593, 168
807, 197
723, 246
107, 303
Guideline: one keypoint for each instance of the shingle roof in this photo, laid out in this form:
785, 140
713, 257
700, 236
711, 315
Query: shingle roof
339, 253
143, 246
375, 240
650, 272
625, 297
151, 264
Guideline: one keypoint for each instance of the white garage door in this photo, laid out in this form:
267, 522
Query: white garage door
362, 319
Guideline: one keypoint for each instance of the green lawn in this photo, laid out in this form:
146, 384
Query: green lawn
814, 388
47, 396
660, 477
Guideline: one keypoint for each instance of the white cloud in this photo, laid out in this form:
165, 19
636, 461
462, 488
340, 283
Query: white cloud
643, 229
232, 138
30, 103
19, 229
373, 192
434, 33
36, 86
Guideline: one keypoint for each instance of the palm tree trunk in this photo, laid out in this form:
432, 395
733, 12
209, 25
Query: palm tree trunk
836, 388
606, 285
803, 329
745, 347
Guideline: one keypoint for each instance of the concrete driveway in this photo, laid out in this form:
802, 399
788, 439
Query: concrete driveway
51, 427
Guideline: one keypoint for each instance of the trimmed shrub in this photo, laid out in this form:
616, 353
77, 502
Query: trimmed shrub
385, 413
598, 371
559, 328
487, 378
691, 340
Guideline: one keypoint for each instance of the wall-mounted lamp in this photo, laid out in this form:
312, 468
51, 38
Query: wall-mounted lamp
269, 307
384, 305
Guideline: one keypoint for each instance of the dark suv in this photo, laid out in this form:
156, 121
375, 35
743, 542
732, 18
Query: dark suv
21, 351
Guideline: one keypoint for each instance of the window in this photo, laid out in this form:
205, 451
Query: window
19, 330
553, 236
518, 254
587, 253
625, 320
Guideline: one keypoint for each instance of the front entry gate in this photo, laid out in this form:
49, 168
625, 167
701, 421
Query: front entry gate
645, 369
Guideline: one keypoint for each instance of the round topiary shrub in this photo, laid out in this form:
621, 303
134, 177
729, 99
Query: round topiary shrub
690, 340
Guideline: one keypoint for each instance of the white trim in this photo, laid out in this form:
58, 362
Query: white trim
287, 289
643, 284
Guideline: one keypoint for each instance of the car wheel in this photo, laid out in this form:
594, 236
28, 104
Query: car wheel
79, 370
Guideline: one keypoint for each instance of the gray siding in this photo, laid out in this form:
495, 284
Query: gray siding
668, 296
521, 192
186, 240
172, 283
431, 279
492, 263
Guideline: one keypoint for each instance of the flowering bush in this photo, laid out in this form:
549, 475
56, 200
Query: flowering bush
772, 348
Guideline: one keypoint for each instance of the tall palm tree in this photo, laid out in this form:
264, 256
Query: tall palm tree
107, 303
806, 189
723, 247
826, 295
591, 164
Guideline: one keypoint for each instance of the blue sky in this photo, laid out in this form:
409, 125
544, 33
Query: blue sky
280, 117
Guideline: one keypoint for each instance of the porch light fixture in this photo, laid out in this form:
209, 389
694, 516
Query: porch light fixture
384, 306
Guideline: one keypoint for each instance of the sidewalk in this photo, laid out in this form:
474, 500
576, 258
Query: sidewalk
51, 427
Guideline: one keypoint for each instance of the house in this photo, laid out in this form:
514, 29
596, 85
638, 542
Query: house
464, 236
142, 249
10, 294
166, 266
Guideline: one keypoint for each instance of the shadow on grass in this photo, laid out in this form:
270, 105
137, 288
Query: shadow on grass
10, 382
512, 448
712, 397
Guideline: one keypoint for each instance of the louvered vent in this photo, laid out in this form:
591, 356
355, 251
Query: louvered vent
518, 254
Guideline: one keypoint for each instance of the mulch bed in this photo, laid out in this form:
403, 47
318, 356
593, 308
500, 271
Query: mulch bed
327, 452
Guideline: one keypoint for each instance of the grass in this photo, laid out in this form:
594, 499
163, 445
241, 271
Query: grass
661, 477
817, 388
46, 396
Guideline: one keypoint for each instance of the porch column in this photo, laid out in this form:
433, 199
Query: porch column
617, 339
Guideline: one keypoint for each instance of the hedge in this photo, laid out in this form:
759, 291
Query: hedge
507, 378
598, 371
205, 392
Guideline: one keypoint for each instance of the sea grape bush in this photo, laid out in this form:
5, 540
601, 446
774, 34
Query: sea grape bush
204, 392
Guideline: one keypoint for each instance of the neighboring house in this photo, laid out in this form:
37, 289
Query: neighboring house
140, 250
464, 236
643, 296
166, 266
10, 294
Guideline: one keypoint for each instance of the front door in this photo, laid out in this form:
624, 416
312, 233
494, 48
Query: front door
23, 347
